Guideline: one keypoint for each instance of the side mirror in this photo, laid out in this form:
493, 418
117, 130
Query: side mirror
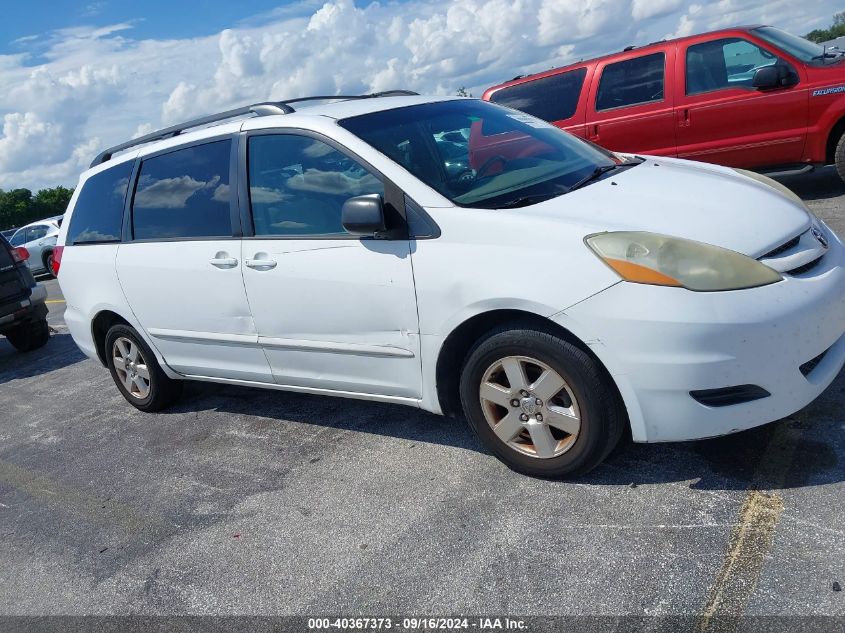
363, 215
775, 76
766, 77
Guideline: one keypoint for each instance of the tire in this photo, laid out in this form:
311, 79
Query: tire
151, 389
48, 264
583, 419
839, 157
29, 336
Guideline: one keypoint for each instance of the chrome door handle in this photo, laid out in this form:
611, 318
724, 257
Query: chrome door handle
260, 263
224, 262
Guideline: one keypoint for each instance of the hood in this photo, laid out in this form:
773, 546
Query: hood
696, 201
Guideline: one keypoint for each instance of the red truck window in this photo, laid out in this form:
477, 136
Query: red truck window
725, 63
551, 98
632, 82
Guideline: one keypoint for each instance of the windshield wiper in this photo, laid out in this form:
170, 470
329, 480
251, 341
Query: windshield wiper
598, 171
831, 53
603, 169
524, 201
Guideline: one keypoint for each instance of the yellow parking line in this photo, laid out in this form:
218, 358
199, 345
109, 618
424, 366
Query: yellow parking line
55, 301
752, 536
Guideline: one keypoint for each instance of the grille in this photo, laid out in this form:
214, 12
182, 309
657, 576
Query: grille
783, 247
805, 268
811, 364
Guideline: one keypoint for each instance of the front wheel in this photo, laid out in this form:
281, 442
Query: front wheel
539, 403
839, 157
136, 371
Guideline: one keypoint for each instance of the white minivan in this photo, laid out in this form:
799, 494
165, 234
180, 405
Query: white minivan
457, 256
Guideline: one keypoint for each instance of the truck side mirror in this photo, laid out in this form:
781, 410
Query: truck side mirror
766, 78
775, 76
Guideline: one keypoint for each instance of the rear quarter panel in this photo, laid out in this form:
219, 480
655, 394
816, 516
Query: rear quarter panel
89, 284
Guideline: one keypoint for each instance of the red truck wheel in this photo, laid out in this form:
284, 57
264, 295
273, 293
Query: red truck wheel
839, 157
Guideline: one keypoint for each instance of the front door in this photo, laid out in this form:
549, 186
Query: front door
181, 269
721, 118
333, 311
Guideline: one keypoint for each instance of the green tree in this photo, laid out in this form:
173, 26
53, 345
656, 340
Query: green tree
837, 29
19, 206
52, 201
462, 92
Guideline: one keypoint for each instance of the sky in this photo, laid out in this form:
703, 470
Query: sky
77, 76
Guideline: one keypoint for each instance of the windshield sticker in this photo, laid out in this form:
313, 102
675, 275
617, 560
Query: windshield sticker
828, 91
528, 120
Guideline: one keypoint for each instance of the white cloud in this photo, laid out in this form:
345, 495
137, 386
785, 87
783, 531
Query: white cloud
173, 193
142, 129
644, 9
72, 91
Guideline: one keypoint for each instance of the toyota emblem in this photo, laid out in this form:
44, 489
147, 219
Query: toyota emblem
820, 237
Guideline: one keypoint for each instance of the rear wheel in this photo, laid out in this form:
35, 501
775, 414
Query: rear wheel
29, 336
839, 157
136, 371
48, 263
539, 403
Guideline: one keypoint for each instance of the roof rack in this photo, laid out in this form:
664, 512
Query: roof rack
265, 108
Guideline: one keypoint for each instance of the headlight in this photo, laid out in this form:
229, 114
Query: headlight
661, 260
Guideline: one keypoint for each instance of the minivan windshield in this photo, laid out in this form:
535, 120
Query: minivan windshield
479, 154
798, 47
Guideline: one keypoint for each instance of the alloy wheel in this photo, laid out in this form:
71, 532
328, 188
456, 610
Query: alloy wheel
530, 407
131, 367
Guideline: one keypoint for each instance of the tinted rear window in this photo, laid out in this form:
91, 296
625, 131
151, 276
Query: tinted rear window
551, 98
634, 81
98, 213
184, 193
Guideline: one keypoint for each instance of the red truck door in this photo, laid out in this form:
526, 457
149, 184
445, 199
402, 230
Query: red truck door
630, 107
721, 118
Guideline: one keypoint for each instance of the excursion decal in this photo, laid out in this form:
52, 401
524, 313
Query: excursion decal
821, 92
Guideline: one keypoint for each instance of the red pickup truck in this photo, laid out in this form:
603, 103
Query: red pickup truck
754, 97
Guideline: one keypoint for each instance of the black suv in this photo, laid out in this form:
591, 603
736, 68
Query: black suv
23, 313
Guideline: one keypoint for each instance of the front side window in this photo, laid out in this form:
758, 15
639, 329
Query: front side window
184, 194
478, 154
298, 184
98, 213
552, 98
632, 82
725, 63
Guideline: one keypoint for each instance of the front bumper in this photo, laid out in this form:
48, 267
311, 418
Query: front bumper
661, 343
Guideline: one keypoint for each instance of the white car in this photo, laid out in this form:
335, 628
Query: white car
556, 297
39, 239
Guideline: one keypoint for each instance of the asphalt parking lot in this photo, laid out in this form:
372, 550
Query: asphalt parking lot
242, 501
